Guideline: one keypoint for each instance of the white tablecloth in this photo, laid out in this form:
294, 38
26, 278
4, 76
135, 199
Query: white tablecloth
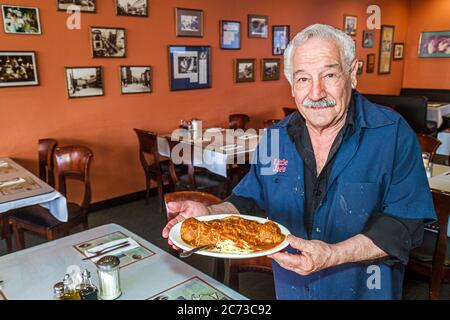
55, 202
436, 113
440, 182
31, 273
211, 160
444, 148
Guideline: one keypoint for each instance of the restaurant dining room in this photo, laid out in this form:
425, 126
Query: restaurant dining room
224, 150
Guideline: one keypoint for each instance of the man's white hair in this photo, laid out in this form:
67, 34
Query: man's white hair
321, 31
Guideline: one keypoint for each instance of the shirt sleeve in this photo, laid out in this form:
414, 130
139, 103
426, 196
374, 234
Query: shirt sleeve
407, 193
395, 236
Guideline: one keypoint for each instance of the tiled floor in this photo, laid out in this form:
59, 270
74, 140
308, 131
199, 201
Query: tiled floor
147, 222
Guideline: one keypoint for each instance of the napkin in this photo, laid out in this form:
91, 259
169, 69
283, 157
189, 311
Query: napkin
11, 182
92, 251
3, 163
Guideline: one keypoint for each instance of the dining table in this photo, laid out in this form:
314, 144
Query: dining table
440, 182
20, 188
146, 272
215, 149
436, 111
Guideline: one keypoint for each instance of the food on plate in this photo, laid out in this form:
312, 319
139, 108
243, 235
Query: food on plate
232, 234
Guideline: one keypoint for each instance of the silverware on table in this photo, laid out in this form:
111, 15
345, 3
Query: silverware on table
106, 248
102, 252
186, 254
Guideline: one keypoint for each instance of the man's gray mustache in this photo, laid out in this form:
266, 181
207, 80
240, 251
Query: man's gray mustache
322, 103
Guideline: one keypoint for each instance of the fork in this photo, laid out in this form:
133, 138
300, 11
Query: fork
186, 254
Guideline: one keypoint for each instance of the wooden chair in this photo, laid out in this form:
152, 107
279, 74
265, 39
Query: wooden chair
156, 167
46, 148
71, 162
432, 259
207, 199
196, 179
428, 144
288, 111
238, 121
270, 122
259, 264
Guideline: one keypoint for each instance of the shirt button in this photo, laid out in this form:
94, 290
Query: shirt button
318, 193
318, 230
295, 189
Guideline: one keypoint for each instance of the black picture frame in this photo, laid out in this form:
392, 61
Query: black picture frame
434, 44
280, 39
370, 65
386, 49
22, 57
270, 69
258, 26
360, 67
399, 49
103, 49
92, 83
368, 40
244, 70
350, 24
189, 67
139, 77
62, 5
189, 22
230, 34
132, 11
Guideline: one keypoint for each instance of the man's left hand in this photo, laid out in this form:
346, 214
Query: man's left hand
314, 255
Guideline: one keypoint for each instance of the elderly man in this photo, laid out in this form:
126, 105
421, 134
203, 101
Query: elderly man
352, 188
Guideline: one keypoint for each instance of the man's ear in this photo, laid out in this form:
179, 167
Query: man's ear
353, 72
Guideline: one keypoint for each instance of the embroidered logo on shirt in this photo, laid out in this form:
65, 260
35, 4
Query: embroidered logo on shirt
279, 165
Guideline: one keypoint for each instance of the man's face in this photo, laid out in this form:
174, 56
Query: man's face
321, 84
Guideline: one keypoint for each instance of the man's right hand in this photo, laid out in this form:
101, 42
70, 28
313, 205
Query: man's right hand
183, 210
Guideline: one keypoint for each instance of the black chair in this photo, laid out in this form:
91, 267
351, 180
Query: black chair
412, 108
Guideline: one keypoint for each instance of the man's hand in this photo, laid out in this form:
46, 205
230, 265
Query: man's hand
184, 210
313, 256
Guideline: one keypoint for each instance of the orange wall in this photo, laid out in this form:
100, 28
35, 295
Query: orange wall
432, 73
105, 123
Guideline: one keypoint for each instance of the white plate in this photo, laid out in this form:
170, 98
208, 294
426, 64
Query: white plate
175, 237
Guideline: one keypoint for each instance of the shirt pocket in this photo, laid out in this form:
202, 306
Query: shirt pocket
282, 192
355, 203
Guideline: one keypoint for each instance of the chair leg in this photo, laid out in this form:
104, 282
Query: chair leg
219, 269
234, 277
147, 190
160, 197
18, 235
435, 287
51, 234
6, 232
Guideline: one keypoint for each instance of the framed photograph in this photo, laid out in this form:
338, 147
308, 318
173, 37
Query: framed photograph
350, 24
368, 39
190, 67
280, 39
386, 46
434, 44
270, 69
398, 51
135, 79
85, 5
360, 67
230, 35
18, 68
132, 8
108, 42
21, 20
244, 70
370, 67
258, 26
84, 82
189, 22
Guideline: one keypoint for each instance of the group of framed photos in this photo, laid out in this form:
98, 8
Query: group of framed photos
245, 70
133, 8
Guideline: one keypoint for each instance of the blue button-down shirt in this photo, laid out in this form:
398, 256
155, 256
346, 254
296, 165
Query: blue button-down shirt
378, 168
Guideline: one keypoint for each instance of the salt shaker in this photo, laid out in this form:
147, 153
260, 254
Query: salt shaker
108, 278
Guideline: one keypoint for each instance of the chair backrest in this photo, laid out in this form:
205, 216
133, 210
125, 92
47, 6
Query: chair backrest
288, 111
73, 162
238, 121
428, 144
46, 149
442, 207
270, 122
412, 108
148, 144
187, 159
442, 95
202, 197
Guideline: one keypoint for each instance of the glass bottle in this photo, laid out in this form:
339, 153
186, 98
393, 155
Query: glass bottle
108, 278
87, 290
70, 292
58, 290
